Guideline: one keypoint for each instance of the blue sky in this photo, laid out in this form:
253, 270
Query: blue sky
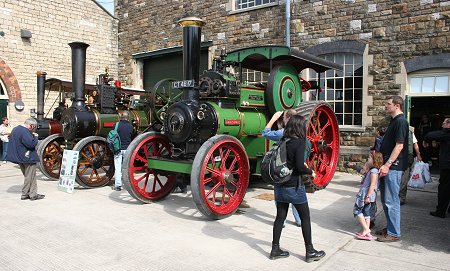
107, 4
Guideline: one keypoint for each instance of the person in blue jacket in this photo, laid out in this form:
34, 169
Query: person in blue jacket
22, 151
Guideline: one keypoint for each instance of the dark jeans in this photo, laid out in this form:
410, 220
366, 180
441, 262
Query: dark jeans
5, 151
443, 191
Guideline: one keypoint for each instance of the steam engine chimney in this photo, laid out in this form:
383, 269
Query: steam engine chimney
78, 74
40, 94
192, 27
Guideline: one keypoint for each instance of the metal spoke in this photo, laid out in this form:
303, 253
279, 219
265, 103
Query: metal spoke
213, 170
212, 190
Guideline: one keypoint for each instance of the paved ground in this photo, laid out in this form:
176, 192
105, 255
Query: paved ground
101, 229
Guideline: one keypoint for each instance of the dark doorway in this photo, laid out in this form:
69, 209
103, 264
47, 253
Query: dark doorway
436, 109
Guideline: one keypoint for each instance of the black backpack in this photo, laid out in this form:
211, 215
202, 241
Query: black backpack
274, 168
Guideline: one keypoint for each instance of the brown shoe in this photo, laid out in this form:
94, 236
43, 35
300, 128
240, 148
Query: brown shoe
388, 238
381, 232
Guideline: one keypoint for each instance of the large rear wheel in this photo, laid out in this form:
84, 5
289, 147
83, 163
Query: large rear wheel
50, 151
219, 177
95, 163
323, 133
141, 182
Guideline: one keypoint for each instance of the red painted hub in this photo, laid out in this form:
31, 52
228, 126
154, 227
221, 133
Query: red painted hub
149, 183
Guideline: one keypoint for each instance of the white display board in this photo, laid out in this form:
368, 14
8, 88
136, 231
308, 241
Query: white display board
69, 164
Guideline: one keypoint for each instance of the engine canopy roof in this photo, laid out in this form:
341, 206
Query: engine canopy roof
258, 58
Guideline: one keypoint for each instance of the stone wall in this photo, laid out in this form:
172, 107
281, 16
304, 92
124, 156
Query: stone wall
53, 24
392, 30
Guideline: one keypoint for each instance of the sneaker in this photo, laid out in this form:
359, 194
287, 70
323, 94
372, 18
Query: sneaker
118, 188
4, 162
381, 232
388, 238
37, 197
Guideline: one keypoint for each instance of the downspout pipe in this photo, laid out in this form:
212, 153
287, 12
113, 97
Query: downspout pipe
288, 23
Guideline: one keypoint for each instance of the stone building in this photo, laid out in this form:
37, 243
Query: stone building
387, 47
34, 36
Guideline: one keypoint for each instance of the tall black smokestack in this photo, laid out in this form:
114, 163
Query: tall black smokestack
78, 74
192, 28
40, 94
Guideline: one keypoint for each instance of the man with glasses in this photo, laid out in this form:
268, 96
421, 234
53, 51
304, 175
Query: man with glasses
395, 156
22, 151
443, 137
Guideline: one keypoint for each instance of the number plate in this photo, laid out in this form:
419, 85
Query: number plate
183, 84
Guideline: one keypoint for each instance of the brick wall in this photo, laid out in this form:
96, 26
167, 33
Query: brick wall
393, 31
53, 25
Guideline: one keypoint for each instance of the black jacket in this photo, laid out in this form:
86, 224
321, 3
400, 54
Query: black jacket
296, 160
443, 137
125, 131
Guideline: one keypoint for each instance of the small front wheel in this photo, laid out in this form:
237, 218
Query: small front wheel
143, 183
219, 177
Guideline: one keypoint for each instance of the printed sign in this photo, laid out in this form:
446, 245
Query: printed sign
69, 164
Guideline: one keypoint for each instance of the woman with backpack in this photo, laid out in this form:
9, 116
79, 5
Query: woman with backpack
280, 118
293, 191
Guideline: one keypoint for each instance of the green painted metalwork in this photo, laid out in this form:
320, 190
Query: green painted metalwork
106, 120
104, 123
240, 122
142, 120
269, 52
284, 88
252, 97
170, 165
254, 146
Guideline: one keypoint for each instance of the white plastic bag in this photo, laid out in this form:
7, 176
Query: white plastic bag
416, 179
426, 172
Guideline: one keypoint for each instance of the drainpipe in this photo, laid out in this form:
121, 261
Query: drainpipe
288, 23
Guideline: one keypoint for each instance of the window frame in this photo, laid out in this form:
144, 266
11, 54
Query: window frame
428, 73
344, 89
234, 10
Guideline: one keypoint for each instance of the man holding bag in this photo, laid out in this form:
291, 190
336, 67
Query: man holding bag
412, 145
395, 158
443, 137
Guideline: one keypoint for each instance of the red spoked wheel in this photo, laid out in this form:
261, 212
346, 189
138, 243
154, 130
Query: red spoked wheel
219, 177
323, 133
96, 162
50, 151
141, 182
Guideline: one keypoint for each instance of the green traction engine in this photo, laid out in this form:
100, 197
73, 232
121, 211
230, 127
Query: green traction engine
212, 137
